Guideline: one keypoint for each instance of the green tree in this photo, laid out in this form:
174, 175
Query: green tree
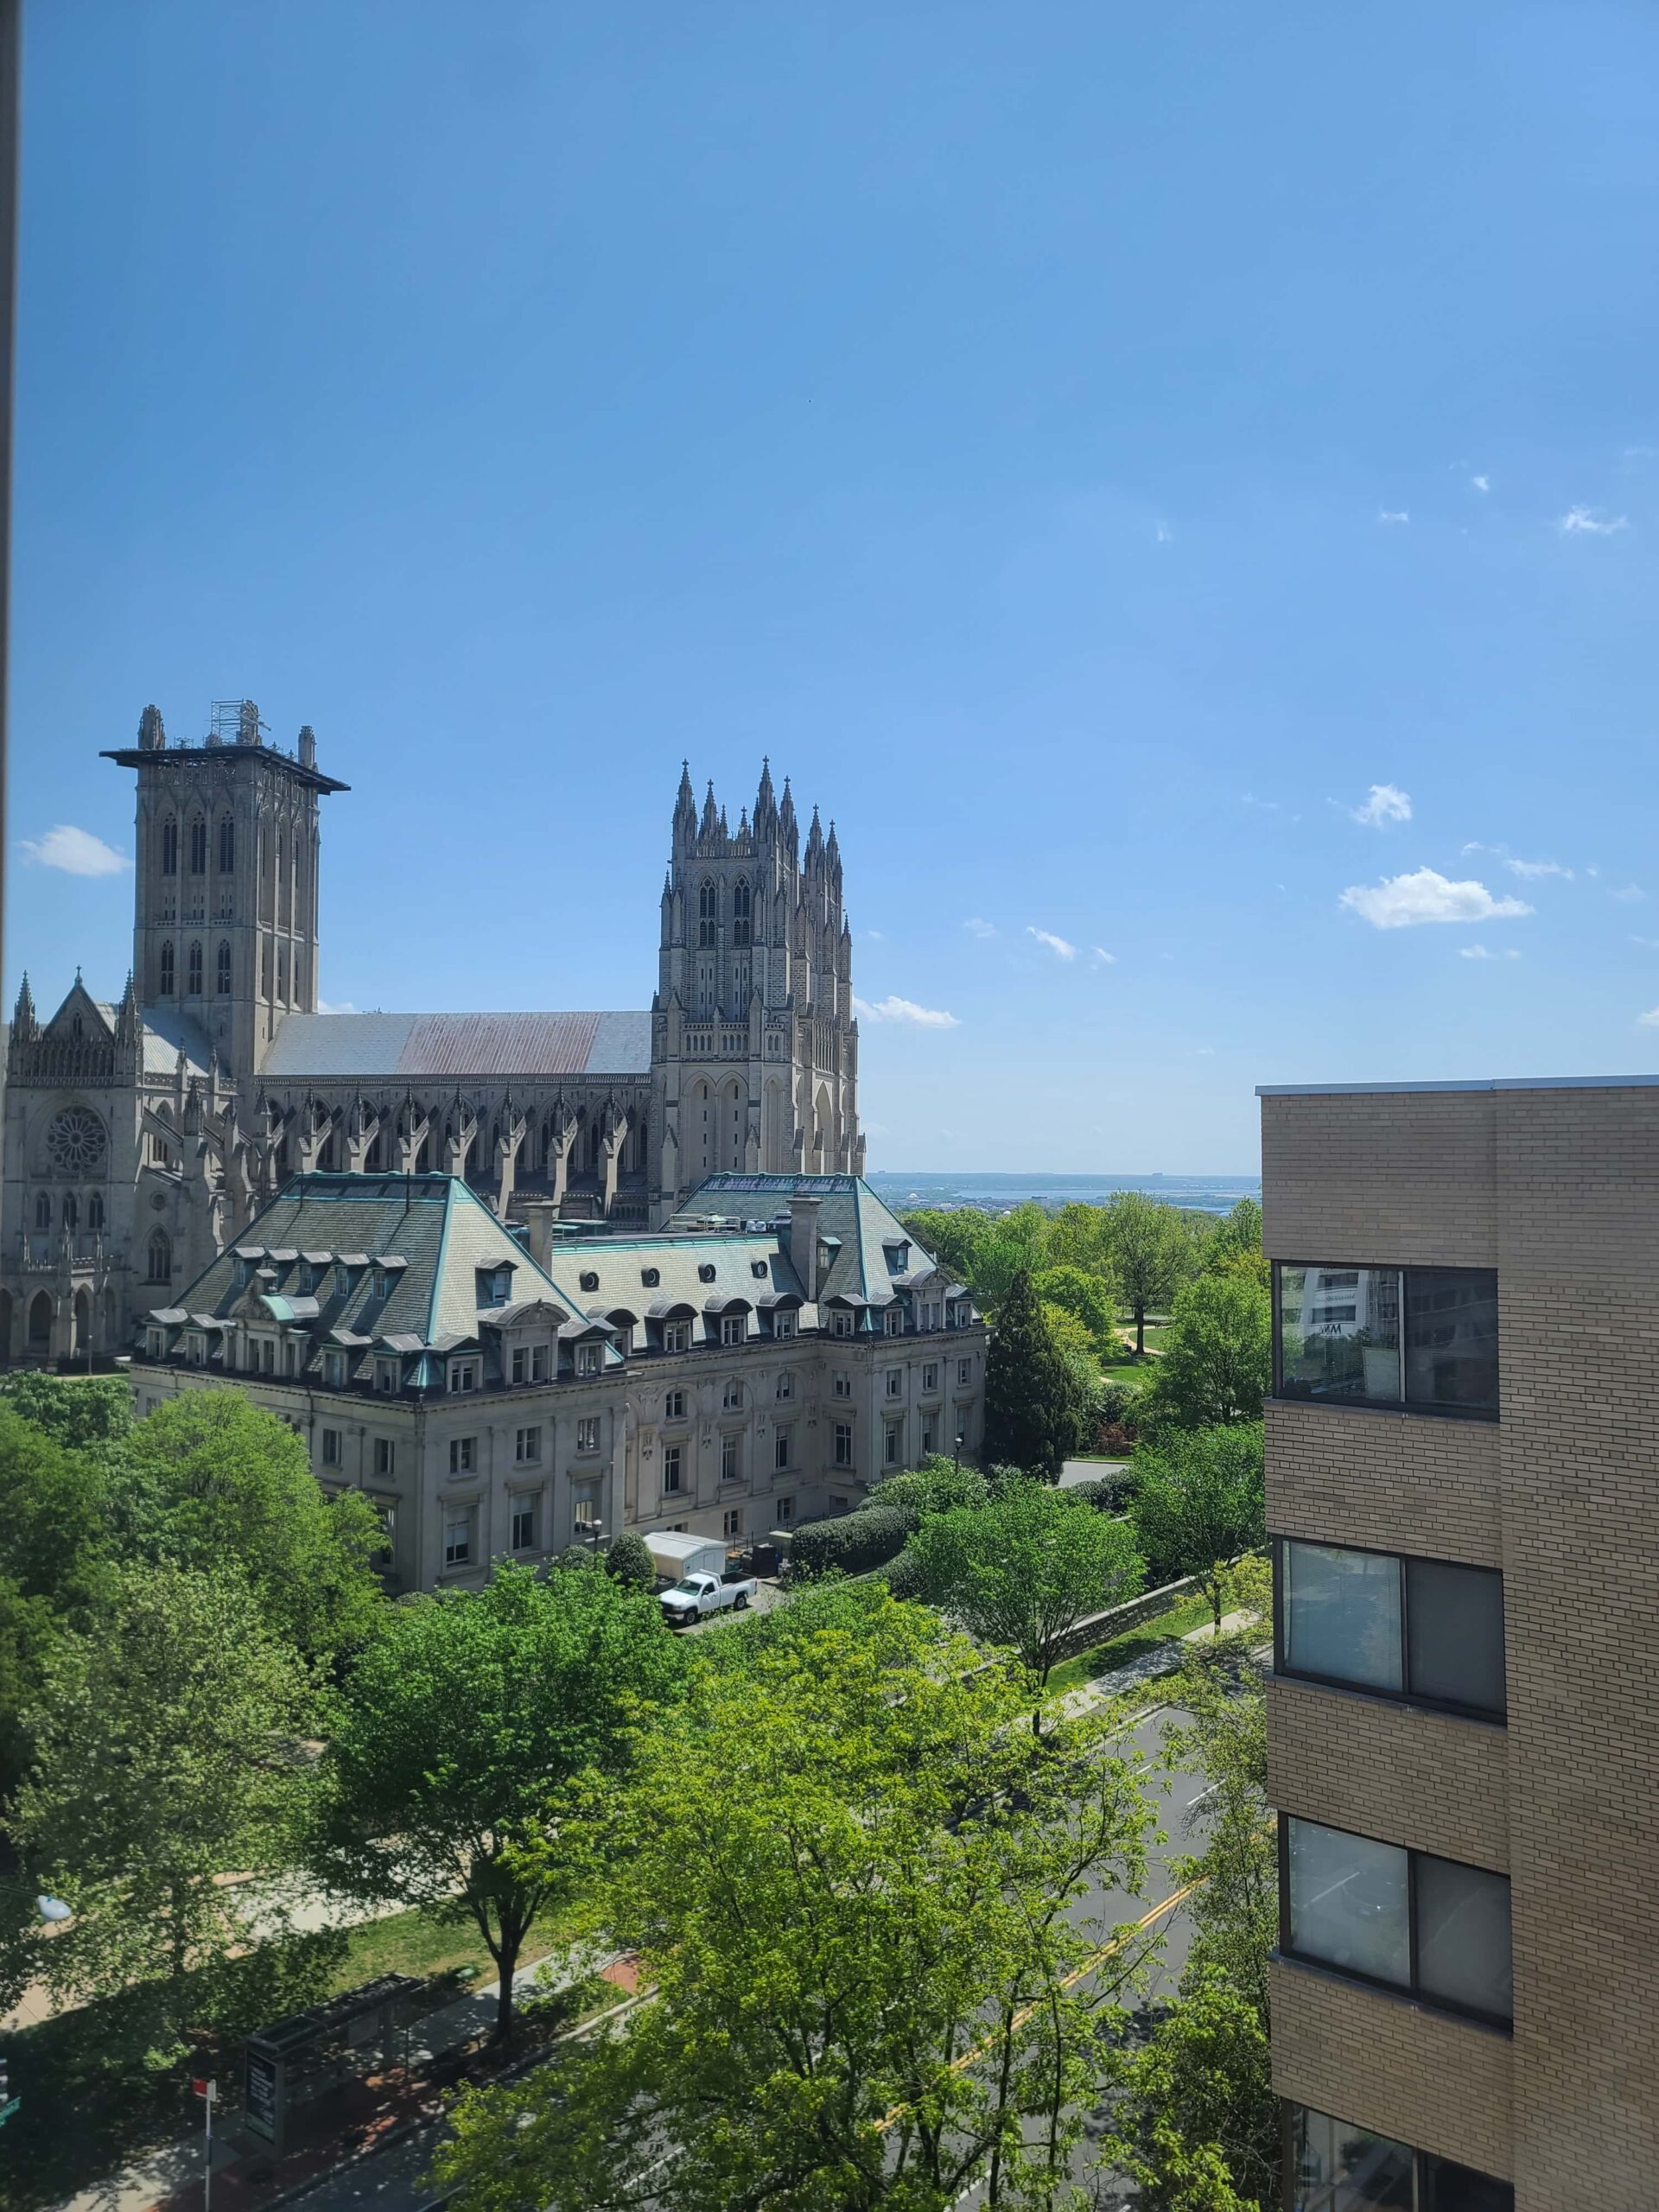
1217, 1361
1198, 1500
865, 1899
1036, 1410
1080, 1236
1199, 2114
953, 1237
1152, 1253
1090, 1300
54, 1565
211, 1479
166, 1740
1234, 1248
1198, 2129
457, 1722
936, 1486
74, 1409
629, 1560
1024, 1570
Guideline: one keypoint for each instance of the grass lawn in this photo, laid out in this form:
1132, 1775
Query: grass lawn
410, 1943
1134, 1644
1129, 1370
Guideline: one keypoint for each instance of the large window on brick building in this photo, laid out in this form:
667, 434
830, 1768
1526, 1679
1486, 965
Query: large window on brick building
1400, 1918
1425, 1338
1424, 1629
1335, 2166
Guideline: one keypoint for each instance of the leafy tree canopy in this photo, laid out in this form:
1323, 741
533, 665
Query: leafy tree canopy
850, 1876
629, 1560
1198, 1500
167, 1752
210, 1479
76, 1409
1218, 1358
1024, 1570
1236, 1247
462, 1717
1153, 1252
1090, 1300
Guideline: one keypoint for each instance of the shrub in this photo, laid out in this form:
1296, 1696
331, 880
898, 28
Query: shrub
851, 1544
935, 1487
905, 1575
629, 1561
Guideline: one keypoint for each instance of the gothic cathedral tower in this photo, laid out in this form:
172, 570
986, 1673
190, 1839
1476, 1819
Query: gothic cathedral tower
225, 922
754, 1046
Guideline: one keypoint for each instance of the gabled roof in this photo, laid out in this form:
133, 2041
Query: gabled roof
455, 1045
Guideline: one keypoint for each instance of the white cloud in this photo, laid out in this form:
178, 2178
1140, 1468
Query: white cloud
1384, 803
1103, 959
77, 852
1392, 515
1481, 483
1056, 945
1580, 522
1650, 1019
974, 927
1400, 902
1628, 893
1531, 868
1161, 533
875, 937
327, 1006
1479, 952
894, 1009
1651, 944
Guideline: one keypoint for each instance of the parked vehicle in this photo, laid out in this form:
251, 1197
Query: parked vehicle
699, 1595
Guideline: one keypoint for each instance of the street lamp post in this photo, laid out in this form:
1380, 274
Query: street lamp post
594, 1530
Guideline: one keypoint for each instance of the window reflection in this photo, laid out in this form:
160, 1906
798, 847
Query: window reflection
1418, 1337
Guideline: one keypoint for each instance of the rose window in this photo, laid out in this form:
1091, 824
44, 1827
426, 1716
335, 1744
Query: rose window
74, 1143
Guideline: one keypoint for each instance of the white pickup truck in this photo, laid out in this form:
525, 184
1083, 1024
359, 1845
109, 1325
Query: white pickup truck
699, 1595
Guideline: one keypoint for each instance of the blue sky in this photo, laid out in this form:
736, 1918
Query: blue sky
1175, 483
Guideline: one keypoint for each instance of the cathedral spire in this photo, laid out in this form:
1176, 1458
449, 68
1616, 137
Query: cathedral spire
152, 736
813, 841
765, 806
23, 1019
710, 820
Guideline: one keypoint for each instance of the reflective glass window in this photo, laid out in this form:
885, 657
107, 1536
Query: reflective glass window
1342, 1614
1348, 1902
1456, 1617
1463, 1937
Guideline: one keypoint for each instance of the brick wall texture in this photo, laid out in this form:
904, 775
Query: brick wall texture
1558, 1188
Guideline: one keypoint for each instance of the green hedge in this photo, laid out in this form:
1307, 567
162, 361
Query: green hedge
851, 1544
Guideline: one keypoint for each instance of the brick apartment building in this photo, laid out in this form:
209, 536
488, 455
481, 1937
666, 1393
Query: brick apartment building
1463, 1491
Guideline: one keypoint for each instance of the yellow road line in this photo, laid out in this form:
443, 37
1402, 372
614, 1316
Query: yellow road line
1079, 1973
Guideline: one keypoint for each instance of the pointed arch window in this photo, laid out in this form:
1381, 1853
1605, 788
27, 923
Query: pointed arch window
226, 844
199, 846
192, 972
43, 1210
95, 1212
741, 913
169, 847
222, 971
71, 1211
159, 1257
165, 982
707, 908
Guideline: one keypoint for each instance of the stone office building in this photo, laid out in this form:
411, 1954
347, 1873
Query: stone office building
143, 1132
780, 1346
1463, 1737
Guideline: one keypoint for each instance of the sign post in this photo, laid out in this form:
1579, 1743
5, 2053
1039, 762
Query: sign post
206, 2090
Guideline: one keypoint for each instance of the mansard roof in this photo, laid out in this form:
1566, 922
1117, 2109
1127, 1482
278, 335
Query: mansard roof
855, 1224
432, 1237
458, 1045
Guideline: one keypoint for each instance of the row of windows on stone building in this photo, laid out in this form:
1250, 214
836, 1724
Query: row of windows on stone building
709, 912
166, 970
68, 1212
194, 847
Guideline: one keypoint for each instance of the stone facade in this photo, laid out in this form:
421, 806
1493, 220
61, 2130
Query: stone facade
782, 1347
1555, 1187
141, 1134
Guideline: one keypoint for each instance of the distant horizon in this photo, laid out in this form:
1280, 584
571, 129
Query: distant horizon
1058, 1175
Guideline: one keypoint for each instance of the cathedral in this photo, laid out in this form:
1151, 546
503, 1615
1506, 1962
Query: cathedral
143, 1134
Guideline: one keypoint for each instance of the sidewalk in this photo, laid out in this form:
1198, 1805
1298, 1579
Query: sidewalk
1164, 1661
368, 2114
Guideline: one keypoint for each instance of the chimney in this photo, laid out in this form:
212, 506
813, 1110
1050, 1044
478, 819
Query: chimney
540, 1214
804, 1243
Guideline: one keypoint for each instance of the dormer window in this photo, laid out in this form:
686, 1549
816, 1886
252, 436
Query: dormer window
783, 1324
841, 1324
898, 1258
240, 1271
387, 1375
588, 1359
379, 1282
463, 1375
333, 1369
156, 1343
893, 1321
495, 1285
